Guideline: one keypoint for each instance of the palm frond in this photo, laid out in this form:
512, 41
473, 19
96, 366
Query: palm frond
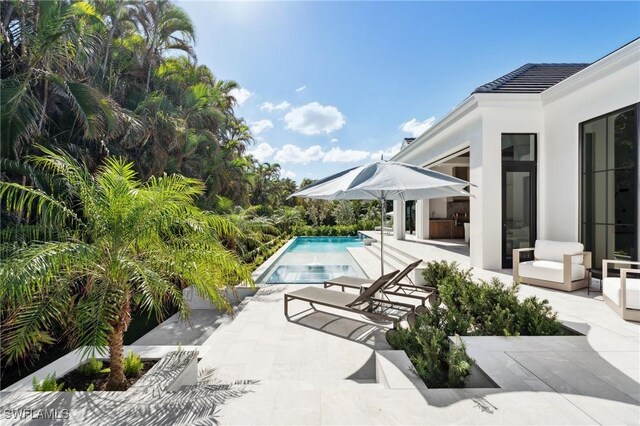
32, 201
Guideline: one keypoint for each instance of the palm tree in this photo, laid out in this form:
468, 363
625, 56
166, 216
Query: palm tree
49, 48
122, 245
165, 27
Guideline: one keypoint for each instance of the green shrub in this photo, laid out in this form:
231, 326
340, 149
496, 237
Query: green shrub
91, 368
435, 272
437, 362
49, 384
91, 388
368, 224
494, 308
326, 230
132, 364
469, 309
259, 256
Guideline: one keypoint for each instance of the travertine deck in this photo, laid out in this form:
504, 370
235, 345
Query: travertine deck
319, 368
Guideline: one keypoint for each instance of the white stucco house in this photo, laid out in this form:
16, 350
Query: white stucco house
552, 153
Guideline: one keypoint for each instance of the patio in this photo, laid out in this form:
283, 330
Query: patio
320, 368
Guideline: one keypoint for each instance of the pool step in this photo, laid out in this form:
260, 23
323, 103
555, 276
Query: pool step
389, 261
395, 254
394, 257
368, 261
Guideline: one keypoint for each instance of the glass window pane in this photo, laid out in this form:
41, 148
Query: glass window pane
518, 210
587, 197
587, 152
595, 132
622, 129
599, 197
600, 246
621, 243
518, 147
624, 211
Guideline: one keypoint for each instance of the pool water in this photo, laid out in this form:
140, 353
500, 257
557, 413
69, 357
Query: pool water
312, 260
323, 244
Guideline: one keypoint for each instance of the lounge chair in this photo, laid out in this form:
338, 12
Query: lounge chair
364, 303
393, 287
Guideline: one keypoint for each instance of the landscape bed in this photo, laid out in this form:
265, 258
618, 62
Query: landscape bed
468, 308
79, 381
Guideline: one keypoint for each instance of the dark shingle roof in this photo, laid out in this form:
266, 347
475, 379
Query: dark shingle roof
531, 78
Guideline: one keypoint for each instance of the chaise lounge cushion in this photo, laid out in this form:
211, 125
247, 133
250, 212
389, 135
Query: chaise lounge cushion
554, 250
549, 271
611, 288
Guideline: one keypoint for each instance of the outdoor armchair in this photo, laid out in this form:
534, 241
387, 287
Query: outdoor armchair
557, 264
622, 294
364, 303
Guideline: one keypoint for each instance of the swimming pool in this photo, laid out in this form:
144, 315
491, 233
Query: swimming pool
312, 260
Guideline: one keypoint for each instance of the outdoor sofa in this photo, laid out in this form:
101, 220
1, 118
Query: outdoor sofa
364, 303
557, 264
622, 294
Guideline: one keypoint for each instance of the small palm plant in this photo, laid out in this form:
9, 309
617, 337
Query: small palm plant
120, 245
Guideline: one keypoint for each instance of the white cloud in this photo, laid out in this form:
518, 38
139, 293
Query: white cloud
287, 174
294, 154
262, 152
269, 106
301, 88
416, 128
241, 94
338, 155
386, 153
333, 140
314, 119
260, 126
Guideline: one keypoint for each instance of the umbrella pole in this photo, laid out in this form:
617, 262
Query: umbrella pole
383, 207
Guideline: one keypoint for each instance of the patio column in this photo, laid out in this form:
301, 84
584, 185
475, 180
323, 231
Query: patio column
399, 224
422, 219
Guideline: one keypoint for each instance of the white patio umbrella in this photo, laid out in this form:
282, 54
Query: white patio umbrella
384, 180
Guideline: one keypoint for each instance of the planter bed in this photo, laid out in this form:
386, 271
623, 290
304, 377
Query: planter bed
80, 382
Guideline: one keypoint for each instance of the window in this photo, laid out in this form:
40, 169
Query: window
519, 182
518, 147
609, 186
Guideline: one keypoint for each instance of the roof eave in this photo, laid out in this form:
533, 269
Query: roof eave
463, 108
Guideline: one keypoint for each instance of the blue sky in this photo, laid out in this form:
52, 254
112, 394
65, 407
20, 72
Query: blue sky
329, 85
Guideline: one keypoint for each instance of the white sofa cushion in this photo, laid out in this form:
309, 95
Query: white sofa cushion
611, 288
549, 271
554, 250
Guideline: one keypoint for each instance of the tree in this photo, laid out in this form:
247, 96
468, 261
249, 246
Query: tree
318, 211
47, 50
165, 27
122, 245
343, 213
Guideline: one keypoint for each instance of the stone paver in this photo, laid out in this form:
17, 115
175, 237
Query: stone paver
319, 367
